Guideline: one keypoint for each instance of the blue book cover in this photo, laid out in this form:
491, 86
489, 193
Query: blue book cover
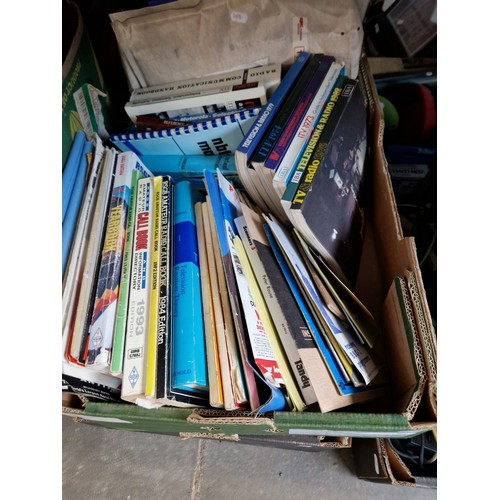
70, 171
73, 208
224, 211
286, 112
252, 139
189, 369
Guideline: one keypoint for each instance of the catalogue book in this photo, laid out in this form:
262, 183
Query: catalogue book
136, 341
227, 98
102, 325
268, 75
332, 184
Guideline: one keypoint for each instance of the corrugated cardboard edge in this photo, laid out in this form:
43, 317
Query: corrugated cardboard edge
376, 461
396, 253
340, 442
397, 470
202, 435
215, 419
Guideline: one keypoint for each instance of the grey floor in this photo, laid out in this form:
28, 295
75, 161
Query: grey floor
100, 463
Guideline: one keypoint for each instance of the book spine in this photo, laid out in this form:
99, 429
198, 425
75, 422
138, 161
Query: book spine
71, 168
266, 74
134, 360
146, 123
108, 282
71, 214
287, 109
203, 117
73, 274
165, 291
304, 130
253, 137
116, 364
244, 388
151, 359
223, 325
189, 369
226, 99
299, 111
92, 262
304, 160
213, 364
320, 148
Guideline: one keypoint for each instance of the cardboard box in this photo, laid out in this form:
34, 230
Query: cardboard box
376, 461
386, 254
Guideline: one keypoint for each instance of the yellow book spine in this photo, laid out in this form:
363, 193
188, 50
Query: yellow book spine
150, 391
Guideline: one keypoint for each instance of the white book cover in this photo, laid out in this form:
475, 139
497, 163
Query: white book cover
200, 102
268, 75
134, 360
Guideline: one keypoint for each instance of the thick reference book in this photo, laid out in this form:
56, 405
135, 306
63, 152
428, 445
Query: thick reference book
213, 137
252, 138
108, 282
152, 344
227, 98
165, 393
136, 341
189, 367
332, 185
164, 329
268, 75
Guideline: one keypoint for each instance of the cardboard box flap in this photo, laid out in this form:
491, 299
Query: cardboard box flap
351, 424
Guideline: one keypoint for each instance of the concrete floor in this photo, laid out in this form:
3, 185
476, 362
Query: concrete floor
100, 463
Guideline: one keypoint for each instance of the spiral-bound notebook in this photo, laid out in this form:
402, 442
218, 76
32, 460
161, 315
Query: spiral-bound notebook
213, 137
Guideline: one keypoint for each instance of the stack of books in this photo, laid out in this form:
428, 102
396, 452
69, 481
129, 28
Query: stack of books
232, 288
